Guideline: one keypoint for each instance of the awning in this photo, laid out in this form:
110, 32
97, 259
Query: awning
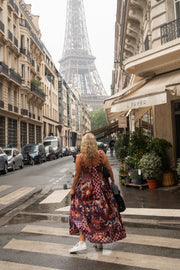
109, 101
106, 130
152, 93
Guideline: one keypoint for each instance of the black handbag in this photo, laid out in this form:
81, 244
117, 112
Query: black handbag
119, 199
105, 172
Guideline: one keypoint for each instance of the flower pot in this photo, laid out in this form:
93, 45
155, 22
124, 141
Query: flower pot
152, 183
137, 181
168, 179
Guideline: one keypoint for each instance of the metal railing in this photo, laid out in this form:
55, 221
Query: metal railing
4, 68
15, 76
170, 31
38, 91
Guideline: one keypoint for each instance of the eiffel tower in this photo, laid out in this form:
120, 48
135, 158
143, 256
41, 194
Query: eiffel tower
77, 63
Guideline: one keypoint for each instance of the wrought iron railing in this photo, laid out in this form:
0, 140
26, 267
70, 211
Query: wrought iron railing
4, 68
170, 31
15, 76
38, 91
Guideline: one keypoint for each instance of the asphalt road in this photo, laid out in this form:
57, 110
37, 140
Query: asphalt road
48, 173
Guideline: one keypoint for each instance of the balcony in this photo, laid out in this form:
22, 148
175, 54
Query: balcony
170, 31
163, 58
4, 69
38, 91
14, 76
11, 4
24, 112
1, 26
23, 50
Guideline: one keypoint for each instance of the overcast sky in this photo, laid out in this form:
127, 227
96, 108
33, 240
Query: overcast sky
100, 20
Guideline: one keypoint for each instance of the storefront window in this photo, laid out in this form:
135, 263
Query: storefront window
146, 122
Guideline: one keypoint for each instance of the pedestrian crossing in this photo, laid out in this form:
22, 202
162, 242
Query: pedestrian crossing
15, 195
114, 256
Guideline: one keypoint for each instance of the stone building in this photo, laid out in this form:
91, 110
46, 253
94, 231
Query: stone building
74, 117
30, 106
146, 78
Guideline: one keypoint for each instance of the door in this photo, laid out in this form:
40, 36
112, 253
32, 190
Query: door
177, 128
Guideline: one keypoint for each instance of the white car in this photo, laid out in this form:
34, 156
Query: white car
15, 159
3, 161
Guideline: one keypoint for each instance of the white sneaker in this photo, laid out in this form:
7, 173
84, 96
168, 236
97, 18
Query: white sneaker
81, 245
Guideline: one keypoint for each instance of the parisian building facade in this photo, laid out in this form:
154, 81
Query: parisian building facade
30, 84
146, 75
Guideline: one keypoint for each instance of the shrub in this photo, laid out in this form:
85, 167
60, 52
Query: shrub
151, 165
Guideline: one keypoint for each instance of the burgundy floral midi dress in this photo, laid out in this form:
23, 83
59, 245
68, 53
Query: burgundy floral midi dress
93, 209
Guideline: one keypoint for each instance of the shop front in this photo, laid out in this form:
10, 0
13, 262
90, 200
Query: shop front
155, 107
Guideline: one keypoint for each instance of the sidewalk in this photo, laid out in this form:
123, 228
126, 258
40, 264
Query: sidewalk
157, 207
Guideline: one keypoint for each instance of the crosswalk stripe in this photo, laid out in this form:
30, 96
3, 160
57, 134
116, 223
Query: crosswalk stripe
15, 195
152, 212
4, 265
4, 187
116, 257
131, 238
64, 170
56, 197
142, 212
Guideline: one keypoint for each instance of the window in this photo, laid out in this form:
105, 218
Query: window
22, 41
22, 101
1, 53
9, 60
15, 64
14, 30
177, 7
22, 71
15, 98
9, 95
1, 91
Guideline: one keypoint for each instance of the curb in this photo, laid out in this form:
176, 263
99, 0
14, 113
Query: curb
18, 202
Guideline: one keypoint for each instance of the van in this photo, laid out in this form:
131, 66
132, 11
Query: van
55, 142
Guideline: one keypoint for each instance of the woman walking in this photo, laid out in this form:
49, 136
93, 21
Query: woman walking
93, 213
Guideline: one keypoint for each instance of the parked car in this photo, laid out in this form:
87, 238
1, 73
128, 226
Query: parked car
72, 150
15, 159
65, 151
3, 161
50, 153
55, 142
33, 153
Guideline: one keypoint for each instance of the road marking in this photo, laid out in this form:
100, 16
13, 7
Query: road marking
64, 170
4, 187
131, 238
18, 266
56, 197
142, 212
64, 209
15, 195
116, 257
152, 212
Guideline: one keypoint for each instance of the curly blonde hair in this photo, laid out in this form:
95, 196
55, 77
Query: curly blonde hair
89, 146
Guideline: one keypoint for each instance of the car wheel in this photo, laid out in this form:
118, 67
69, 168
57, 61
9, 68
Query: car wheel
5, 168
14, 167
31, 162
22, 165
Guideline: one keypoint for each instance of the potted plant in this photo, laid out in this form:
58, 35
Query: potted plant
135, 177
151, 166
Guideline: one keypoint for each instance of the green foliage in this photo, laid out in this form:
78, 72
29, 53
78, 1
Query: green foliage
178, 167
36, 82
159, 146
98, 119
135, 175
121, 146
138, 142
151, 165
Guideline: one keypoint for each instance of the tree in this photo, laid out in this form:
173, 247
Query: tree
98, 119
